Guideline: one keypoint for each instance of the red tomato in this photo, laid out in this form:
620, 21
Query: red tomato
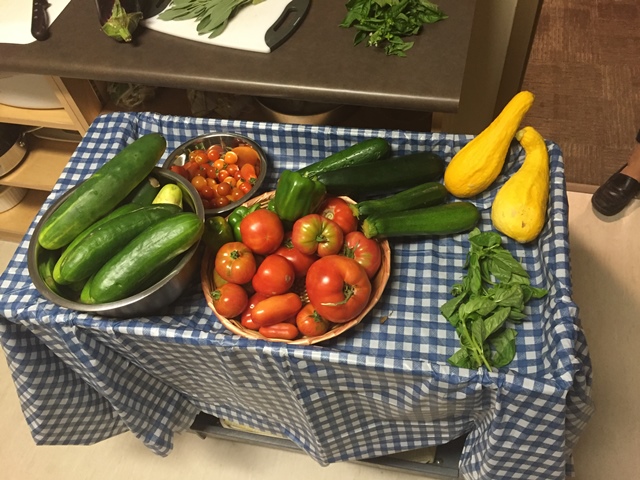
339, 211
314, 233
246, 320
300, 261
310, 323
276, 309
180, 170
286, 331
262, 231
235, 263
274, 276
365, 251
230, 300
338, 288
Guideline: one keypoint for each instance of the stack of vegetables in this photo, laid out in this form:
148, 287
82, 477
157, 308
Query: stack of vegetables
119, 231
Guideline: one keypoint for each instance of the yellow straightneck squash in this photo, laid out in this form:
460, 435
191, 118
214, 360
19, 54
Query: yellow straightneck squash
520, 207
479, 163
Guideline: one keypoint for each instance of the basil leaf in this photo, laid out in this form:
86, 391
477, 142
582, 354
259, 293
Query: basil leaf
496, 321
504, 347
461, 359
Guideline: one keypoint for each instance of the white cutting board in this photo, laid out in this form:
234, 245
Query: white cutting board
245, 31
15, 19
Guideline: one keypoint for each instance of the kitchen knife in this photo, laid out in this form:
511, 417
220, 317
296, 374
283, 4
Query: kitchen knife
40, 20
287, 23
151, 8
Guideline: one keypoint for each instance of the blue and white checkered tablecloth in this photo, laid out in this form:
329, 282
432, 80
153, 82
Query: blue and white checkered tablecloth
381, 388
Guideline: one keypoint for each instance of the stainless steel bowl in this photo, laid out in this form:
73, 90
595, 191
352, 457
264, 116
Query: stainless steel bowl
181, 155
147, 302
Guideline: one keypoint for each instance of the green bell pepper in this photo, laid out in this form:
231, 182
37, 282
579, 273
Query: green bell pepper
297, 195
217, 232
236, 217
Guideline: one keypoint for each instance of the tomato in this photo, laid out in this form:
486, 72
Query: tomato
285, 331
262, 231
223, 189
235, 263
274, 276
276, 309
230, 300
231, 157
300, 261
199, 156
213, 153
246, 320
339, 211
314, 233
365, 251
199, 182
338, 288
246, 154
310, 323
180, 170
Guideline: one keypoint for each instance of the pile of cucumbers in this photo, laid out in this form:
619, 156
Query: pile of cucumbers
118, 232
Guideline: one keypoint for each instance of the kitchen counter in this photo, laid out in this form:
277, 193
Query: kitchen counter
318, 63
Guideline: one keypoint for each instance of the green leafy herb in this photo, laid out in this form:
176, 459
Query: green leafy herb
386, 22
212, 15
494, 291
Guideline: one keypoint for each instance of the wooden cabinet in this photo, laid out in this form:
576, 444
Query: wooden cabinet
46, 159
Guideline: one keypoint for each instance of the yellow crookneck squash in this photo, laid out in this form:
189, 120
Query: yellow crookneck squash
520, 207
475, 167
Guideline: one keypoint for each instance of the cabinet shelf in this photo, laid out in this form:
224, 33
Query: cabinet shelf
15, 222
50, 117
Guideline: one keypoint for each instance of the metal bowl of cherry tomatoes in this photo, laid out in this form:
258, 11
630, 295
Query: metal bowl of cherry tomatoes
226, 169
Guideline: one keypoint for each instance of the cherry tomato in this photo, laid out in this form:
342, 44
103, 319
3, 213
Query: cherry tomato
199, 156
262, 231
244, 187
223, 189
231, 181
246, 320
314, 233
222, 174
199, 182
310, 323
235, 263
231, 157
180, 170
338, 288
213, 153
230, 300
233, 170
285, 331
236, 194
276, 309
220, 202
300, 261
339, 211
207, 193
365, 251
211, 183
219, 165
210, 171
274, 276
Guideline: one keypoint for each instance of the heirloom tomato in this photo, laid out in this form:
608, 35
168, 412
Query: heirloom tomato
262, 231
310, 323
230, 300
339, 211
300, 261
365, 251
285, 331
338, 288
246, 320
274, 276
235, 263
314, 233
276, 309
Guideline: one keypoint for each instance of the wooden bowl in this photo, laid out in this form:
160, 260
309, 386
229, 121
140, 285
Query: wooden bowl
378, 284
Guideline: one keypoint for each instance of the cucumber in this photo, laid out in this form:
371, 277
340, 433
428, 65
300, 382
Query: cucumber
369, 150
447, 219
87, 256
424, 195
47, 260
127, 272
145, 192
101, 192
384, 176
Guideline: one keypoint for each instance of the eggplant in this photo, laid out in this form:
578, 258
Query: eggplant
119, 18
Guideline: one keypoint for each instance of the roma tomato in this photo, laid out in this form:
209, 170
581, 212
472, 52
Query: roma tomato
300, 261
310, 323
235, 263
365, 251
338, 288
276, 309
246, 320
314, 233
262, 231
274, 276
339, 211
286, 331
230, 300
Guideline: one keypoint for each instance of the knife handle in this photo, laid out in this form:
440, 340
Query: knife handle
278, 33
39, 21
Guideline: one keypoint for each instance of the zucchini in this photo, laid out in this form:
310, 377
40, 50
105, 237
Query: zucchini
128, 272
423, 195
101, 192
170, 194
447, 219
369, 150
384, 176
87, 256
